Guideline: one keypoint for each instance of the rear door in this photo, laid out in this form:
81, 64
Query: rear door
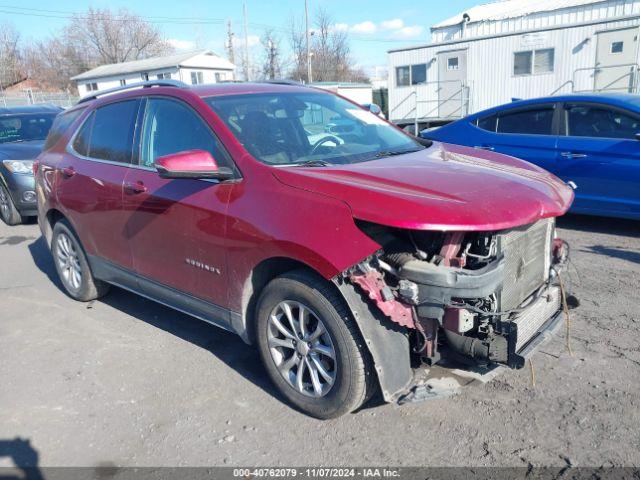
89, 179
176, 228
528, 133
599, 152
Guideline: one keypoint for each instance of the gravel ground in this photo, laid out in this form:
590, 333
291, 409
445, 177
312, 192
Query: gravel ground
124, 381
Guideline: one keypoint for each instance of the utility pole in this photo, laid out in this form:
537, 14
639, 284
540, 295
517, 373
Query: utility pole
230, 53
246, 43
306, 24
273, 59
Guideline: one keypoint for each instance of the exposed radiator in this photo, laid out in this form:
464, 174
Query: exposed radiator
527, 252
530, 321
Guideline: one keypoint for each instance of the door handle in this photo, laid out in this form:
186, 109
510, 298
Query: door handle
573, 155
484, 147
134, 188
68, 172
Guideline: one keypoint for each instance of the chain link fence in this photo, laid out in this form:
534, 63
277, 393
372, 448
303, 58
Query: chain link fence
30, 97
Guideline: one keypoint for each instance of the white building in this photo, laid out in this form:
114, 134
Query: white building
508, 49
191, 67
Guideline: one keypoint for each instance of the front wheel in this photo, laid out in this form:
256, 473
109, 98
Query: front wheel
8, 211
311, 346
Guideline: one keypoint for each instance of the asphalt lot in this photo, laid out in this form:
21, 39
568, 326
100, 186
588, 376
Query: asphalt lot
124, 381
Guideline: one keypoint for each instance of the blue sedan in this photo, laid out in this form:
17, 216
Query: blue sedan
590, 140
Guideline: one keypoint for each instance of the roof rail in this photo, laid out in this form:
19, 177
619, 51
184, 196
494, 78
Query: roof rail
284, 82
147, 84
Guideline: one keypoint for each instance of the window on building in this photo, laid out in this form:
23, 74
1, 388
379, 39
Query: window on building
197, 78
163, 76
453, 63
123, 82
402, 76
529, 122
144, 77
108, 133
617, 47
418, 74
533, 61
171, 127
601, 122
218, 76
91, 87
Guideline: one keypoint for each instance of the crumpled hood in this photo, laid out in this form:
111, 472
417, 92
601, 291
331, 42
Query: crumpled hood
444, 187
21, 150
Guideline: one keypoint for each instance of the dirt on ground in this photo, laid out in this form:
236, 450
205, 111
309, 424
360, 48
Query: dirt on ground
124, 381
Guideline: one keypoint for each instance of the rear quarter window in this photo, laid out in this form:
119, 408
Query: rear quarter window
60, 125
527, 122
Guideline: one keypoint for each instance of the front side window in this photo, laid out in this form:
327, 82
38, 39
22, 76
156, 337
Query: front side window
528, 122
418, 74
617, 47
170, 126
600, 122
534, 62
108, 133
25, 127
309, 127
402, 76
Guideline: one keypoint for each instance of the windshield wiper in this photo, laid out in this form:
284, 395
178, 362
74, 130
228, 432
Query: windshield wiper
391, 153
313, 163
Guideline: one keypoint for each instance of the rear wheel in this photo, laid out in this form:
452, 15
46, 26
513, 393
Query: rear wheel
311, 347
72, 266
8, 211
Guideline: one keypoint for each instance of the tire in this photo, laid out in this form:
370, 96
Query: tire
8, 211
72, 266
345, 381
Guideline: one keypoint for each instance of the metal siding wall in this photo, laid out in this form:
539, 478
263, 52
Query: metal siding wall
571, 53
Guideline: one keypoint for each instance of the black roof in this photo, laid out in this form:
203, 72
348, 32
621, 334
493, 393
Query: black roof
44, 108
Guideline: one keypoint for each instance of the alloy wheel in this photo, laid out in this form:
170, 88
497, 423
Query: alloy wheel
5, 208
68, 261
301, 348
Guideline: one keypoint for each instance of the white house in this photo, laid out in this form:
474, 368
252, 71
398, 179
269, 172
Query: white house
190, 67
492, 53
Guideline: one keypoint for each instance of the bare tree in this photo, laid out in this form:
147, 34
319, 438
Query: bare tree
272, 65
91, 39
11, 69
330, 52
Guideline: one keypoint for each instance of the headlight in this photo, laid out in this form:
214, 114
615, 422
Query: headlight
19, 166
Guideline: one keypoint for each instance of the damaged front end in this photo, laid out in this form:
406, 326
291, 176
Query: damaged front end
479, 298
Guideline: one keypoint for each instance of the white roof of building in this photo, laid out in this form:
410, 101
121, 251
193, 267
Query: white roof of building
156, 63
504, 9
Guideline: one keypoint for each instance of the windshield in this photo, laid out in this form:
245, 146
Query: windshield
309, 128
25, 127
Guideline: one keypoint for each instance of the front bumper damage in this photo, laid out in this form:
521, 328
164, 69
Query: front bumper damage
455, 317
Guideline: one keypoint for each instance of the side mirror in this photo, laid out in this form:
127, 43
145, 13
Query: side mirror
191, 164
637, 135
373, 108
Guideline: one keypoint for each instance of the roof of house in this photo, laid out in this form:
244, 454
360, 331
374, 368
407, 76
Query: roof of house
150, 64
504, 9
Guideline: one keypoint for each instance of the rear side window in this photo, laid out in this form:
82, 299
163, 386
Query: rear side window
60, 125
529, 122
488, 123
108, 133
600, 122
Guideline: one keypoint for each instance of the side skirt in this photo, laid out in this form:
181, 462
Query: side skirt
165, 295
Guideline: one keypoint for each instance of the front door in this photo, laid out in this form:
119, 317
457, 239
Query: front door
90, 176
452, 76
176, 228
616, 58
601, 155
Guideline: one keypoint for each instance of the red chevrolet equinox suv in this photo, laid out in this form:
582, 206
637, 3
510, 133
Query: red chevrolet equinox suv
347, 255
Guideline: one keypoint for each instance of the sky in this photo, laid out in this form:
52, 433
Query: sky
374, 26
